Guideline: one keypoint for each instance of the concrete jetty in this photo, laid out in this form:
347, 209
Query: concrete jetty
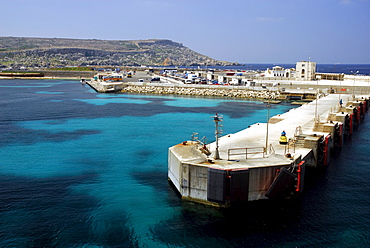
106, 82
252, 164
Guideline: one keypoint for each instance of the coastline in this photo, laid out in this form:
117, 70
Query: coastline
45, 78
306, 89
205, 91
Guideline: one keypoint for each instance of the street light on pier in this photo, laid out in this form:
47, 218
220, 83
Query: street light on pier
267, 124
217, 119
354, 82
268, 115
317, 96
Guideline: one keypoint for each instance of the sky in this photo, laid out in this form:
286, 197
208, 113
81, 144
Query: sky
243, 31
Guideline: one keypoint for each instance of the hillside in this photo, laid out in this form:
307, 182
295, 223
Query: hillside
55, 52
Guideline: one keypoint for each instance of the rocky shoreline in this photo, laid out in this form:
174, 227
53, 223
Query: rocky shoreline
208, 92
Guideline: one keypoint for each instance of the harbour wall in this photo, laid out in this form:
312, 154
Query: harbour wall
69, 74
47, 74
217, 91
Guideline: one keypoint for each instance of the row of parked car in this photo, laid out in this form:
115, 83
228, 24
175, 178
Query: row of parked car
191, 79
203, 81
196, 81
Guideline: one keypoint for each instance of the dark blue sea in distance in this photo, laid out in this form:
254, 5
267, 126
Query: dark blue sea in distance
83, 169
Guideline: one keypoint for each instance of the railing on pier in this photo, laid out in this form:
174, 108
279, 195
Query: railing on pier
291, 143
271, 149
245, 151
298, 131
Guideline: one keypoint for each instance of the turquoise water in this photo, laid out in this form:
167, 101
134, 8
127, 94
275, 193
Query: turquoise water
82, 169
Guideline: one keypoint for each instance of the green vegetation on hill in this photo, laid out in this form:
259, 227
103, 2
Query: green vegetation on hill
56, 52
78, 68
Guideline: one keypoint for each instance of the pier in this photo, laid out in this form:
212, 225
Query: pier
106, 82
253, 165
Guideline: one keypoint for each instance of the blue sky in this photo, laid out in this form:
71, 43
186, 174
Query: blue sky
244, 31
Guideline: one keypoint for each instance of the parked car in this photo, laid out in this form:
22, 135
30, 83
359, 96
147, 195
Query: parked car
155, 79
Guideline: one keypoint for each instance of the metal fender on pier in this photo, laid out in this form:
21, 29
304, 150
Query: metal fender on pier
282, 184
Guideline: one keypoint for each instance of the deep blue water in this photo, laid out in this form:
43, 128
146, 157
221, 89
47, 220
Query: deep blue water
82, 169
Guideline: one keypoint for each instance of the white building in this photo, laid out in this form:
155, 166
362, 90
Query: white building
305, 70
278, 71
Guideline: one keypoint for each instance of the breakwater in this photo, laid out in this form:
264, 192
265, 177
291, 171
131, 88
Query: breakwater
68, 74
47, 74
218, 91
21, 74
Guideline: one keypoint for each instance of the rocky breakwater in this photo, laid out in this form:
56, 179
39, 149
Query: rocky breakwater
206, 91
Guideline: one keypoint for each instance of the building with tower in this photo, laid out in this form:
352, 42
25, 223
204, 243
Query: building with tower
305, 70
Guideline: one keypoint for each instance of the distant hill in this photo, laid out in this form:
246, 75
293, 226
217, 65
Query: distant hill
55, 52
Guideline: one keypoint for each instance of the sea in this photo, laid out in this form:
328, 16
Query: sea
85, 169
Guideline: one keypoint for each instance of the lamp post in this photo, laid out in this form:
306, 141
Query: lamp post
354, 82
217, 119
317, 96
267, 125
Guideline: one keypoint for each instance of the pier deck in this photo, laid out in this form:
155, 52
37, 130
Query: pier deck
303, 117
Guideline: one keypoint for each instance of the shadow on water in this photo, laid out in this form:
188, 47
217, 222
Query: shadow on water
16, 135
43, 209
200, 225
45, 213
312, 219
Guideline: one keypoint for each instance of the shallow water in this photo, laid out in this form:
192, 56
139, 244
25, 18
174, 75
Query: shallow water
82, 169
